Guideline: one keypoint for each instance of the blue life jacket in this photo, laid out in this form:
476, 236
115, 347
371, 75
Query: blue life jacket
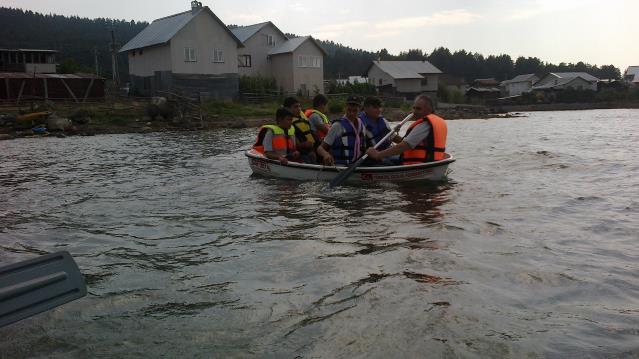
376, 130
343, 148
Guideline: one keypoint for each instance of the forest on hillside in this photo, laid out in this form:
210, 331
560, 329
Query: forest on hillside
77, 39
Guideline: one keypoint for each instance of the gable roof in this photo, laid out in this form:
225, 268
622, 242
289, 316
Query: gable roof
246, 32
292, 44
520, 78
405, 69
162, 30
632, 71
560, 82
572, 75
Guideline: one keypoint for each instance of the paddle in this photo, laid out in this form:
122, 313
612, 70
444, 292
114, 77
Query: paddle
342, 176
35, 285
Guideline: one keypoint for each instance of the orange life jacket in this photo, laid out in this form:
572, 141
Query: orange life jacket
282, 142
433, 147
320, 131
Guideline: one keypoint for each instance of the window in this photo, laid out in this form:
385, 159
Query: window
425, 81
189, 54
244, 60
309, 61
140, 51
132, 53
218, 55
380, 82
270, 41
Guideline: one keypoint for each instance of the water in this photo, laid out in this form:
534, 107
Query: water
530, 250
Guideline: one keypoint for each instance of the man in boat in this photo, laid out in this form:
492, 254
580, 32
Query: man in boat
346, 140
306, 141
277, 142
318, 120
376, 125
425, 139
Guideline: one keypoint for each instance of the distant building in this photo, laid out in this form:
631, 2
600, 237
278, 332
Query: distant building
352, 80
453, 83
192, 52
519, 84
297, 64
407, 78
483, 90
631, 75
28, 60
566, 80
258, 40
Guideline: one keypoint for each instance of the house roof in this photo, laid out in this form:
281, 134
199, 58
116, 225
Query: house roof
292, 44
406, 69
632, 71
28, 50
162, 30
563, 81
520, 78
572, 75
246, 32
483, 89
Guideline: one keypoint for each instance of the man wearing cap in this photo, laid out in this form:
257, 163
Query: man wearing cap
425, 139
346, 140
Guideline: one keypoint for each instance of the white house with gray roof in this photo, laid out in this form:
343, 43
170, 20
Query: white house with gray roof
519, 84
192, 52
566, 80
631, 75
296, 64
258, 40
407, 78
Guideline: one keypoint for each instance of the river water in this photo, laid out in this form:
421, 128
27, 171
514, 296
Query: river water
529, 250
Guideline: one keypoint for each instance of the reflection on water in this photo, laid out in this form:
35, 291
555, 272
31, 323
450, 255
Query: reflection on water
528, 251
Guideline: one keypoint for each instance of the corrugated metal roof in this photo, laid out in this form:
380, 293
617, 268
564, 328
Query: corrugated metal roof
407, 69
520, 78
572, 75
246, 32
291, 44
24, 75
632, 71
162, 30
28, 50
564, 81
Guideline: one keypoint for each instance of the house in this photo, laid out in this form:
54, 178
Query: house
192, 52
408, 78
482, 94
28, 60
486, 83
296, 64
519, 84
352, 80
30, 74
258, 40
453, 83
631, 75
566, 80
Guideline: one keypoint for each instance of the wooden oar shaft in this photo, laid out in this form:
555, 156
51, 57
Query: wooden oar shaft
342, 176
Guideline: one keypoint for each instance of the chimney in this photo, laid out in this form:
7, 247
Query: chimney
195, 6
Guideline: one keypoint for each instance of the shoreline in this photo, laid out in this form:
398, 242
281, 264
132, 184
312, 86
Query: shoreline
115, 124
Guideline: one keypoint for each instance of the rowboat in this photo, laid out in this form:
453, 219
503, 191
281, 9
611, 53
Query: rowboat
430, 171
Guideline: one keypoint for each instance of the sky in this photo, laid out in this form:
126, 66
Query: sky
594, 31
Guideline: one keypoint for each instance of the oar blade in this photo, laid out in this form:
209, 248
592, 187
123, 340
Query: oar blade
33, 286
343, 175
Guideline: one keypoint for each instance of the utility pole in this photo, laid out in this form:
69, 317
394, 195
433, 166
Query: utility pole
114, 46
95, 56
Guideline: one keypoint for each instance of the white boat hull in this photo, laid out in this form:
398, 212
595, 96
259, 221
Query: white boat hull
432, 171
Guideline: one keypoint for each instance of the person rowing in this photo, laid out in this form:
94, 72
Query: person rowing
425, 139
346, 140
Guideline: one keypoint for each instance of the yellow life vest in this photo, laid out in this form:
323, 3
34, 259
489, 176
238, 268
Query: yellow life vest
303, 129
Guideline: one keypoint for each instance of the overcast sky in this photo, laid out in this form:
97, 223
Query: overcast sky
594, 31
